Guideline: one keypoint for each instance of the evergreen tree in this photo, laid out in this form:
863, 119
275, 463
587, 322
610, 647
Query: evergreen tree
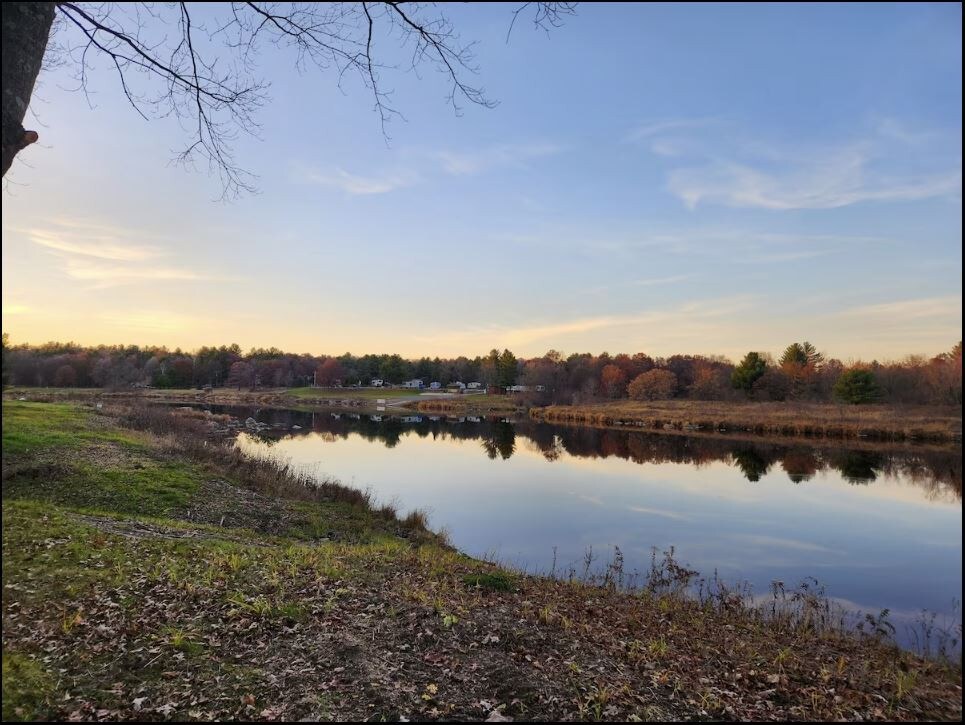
856, 386
507, 368
752, 367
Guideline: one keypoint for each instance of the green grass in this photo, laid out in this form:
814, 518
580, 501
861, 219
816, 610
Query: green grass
34, 428
149, 489
334, 519
495, 582
75, 462
26, 687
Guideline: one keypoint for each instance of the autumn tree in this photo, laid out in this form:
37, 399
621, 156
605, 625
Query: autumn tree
653, 385
543, 372
774, 384
65, 377
241, 375
710, 382
613, 381
329, 373
196, 63
943, 376
751, 368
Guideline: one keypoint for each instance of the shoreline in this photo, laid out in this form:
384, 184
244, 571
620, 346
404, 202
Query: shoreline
132, 599
806, 421
912, 426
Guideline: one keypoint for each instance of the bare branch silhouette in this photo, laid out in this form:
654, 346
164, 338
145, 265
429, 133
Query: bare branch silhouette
168, 64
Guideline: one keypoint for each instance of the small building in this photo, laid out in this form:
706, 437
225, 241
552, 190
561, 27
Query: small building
415, 384
435, 385
377, 383
517, 389
457, 386
475, 386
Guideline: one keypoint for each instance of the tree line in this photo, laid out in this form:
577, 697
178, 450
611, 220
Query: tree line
800, 373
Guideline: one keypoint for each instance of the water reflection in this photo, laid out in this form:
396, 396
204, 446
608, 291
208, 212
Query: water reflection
937, 470
880, 527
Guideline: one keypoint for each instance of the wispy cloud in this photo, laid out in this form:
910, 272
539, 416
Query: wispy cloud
781, 543
102, 249
500, 155
893, 327
909, 310
891, 162
828, 183
651, 129
594, 500
102, 276
92, 239
422, 164
659, 512
107, 256
339, 178
896, 129
657, 281
693, 320
645, 282
730, 243
788, 256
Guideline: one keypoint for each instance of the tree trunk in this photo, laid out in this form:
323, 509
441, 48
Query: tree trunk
26, 28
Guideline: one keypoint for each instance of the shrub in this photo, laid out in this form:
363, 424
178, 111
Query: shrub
774, 384
653, 385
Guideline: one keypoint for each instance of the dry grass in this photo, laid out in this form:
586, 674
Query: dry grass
473, 405
819, 420
186, 433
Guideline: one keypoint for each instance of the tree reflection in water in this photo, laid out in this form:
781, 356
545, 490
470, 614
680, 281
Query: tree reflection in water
938, 470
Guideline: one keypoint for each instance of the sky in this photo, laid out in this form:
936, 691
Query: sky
655, 178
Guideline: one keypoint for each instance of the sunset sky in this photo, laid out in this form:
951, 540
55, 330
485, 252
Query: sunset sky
704, 179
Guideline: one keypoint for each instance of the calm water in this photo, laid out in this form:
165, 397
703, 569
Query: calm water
878, 529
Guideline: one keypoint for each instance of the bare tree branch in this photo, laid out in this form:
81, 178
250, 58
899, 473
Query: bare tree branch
181, 76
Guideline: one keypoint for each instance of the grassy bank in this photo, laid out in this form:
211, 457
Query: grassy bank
150, 574
817, 420
274, 397
369, 394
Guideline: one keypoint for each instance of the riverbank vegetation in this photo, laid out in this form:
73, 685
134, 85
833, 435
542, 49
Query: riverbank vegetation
812, 420
479, 405
152, 574
800, 373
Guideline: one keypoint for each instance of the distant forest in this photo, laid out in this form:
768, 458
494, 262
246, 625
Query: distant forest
800, 373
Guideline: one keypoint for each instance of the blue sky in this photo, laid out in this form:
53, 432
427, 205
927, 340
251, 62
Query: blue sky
658, 178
